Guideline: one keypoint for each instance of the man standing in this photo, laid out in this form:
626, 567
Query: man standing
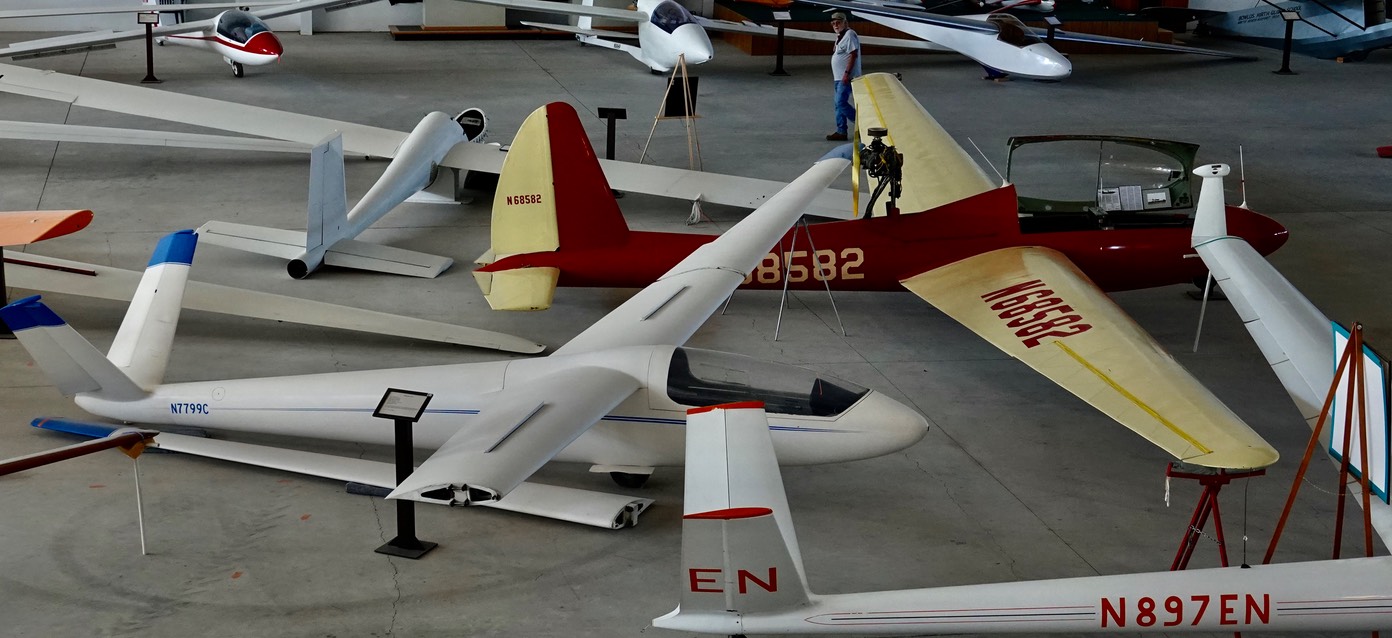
845, 66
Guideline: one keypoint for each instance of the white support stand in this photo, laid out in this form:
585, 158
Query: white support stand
139, 507
817, 272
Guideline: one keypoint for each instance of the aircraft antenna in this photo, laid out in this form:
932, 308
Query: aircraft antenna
987, 160
1242, 176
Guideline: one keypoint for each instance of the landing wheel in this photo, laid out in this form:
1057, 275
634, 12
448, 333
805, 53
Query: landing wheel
1355, 56
632, 481
237, 70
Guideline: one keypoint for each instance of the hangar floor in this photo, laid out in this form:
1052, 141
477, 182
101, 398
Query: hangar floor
1015, 480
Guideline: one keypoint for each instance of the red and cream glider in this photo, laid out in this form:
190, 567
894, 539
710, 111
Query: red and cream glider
240, 36
1038, 296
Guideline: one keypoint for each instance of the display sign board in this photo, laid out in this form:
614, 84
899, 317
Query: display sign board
402, 404
1375, 406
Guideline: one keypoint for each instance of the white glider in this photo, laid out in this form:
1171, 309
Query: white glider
240, 36
742, 572
436, 142
998, 41
613, 397
1294, 336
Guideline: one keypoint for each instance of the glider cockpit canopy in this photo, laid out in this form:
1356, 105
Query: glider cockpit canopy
668, 15
238, 26
700, 377
1103, 181
1012, 31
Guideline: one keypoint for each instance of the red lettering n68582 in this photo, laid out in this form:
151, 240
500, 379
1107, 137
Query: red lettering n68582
1034, 312
518, 200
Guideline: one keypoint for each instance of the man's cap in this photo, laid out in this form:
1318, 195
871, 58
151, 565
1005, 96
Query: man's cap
838, 16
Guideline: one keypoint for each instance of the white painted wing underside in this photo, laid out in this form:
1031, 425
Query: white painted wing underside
670, 309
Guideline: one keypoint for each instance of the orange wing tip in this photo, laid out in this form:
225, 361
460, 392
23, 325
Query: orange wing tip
26, 227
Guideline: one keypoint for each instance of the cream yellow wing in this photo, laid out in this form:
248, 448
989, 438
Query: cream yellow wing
936, 169
1034, 304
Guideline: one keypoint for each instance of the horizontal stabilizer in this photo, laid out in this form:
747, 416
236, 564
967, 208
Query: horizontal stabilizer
286, 244
348, 253
351, 253
131, 441
519, 288
36, 272
71, 363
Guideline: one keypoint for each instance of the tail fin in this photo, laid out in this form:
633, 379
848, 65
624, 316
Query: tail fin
552, 195
1211, 214
739, 550
70, 362
328, 205
142, 344
585, 22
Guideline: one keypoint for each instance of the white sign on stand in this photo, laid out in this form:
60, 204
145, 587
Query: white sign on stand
1375, 411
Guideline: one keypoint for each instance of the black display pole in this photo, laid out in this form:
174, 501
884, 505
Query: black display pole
1291, 17
404, 407
610, 114
149, 19
782, 17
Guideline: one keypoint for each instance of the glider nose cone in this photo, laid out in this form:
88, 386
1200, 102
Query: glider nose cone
1049, 64
1263, 233
265, 43
892, 426
694, 43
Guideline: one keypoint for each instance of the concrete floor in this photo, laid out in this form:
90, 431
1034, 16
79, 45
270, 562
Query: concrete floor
1016, 479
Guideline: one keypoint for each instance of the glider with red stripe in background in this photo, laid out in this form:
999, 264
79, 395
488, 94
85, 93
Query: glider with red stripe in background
239, 34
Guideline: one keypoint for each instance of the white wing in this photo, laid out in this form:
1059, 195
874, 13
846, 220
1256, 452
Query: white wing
358, 139
134, 8
669, 310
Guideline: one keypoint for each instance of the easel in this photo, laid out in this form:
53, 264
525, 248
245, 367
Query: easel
687, 115
1351, 359
1208, 505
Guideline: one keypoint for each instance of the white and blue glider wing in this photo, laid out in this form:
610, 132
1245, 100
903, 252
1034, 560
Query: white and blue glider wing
528, 423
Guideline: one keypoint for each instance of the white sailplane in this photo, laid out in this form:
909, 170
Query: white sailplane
742, 572
614, 396
437, 142
238, 34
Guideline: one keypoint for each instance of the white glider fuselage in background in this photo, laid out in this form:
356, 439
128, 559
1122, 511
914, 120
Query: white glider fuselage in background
1338, 29
240, 36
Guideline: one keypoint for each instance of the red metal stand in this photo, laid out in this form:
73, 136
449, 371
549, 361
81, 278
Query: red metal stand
1207, 505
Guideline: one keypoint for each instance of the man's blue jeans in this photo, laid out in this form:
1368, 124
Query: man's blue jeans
845, 113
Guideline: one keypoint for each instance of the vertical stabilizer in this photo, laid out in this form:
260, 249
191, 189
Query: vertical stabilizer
551, 195
327, 221
142, 344
1211, 214
739, 549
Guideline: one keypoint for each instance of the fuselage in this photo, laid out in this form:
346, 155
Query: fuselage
236, 35
1262, 24
876, 253
822, 420
1010, 48
670, 33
